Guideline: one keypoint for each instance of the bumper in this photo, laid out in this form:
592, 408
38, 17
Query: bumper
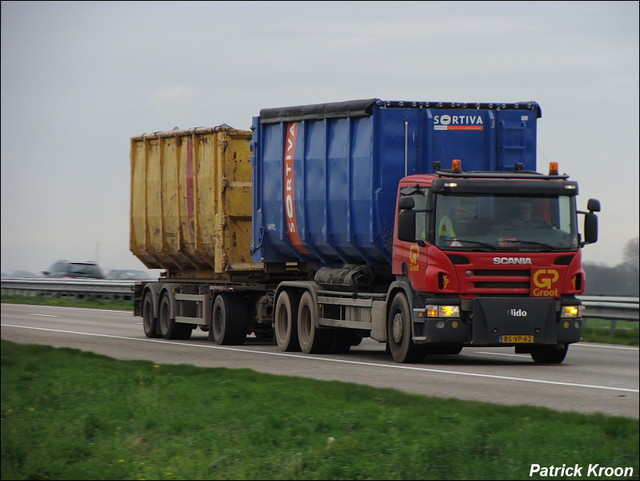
501, 321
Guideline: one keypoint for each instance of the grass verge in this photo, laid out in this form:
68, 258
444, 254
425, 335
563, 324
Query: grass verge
68, 414
599, 330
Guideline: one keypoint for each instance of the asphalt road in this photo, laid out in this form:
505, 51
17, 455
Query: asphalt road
593, 378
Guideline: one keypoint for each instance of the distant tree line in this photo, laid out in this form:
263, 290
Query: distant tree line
620, 280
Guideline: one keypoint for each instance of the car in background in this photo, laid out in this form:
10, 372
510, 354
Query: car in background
75, 270
129, 275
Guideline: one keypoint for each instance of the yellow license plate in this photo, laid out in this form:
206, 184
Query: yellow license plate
528, 338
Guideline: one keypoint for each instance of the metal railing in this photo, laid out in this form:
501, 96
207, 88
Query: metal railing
598, 307
107, 289
610, 307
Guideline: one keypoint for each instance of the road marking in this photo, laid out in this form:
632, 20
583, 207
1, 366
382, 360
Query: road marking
341, 361
43, 315
605, 346
502, 354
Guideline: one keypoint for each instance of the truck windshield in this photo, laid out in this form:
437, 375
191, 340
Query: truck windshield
504, 222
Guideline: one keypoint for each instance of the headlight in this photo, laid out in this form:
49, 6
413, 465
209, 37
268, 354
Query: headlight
571, 311
443, 311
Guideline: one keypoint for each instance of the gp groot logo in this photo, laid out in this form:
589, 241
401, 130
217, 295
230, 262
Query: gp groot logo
414, 253
545, 283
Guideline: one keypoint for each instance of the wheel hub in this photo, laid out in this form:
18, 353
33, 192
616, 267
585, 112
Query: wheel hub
397, 328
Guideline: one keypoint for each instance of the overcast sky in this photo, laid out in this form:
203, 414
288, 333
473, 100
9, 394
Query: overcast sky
79, 79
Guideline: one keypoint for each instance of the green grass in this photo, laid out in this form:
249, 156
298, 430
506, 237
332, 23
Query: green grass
596, 330
599, 330
68, 414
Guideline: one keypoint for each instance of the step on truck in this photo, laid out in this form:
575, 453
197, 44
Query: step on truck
422, 225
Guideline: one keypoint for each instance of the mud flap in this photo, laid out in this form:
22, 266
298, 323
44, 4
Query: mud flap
528, 320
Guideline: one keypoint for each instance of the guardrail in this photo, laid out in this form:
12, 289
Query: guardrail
609, 307
107, 289
598, 307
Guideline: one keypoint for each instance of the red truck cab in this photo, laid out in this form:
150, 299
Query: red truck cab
492, 259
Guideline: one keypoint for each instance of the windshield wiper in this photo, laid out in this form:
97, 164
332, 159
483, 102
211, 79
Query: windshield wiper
467, 241
536, 243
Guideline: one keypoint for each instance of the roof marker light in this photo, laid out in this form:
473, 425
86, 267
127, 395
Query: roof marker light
553, 168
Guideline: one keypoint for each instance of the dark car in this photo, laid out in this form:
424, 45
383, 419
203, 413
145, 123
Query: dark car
128, 275
75, 270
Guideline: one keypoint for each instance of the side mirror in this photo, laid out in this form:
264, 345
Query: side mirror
593, 205
407, 225
591, 227
406, 203
406, 219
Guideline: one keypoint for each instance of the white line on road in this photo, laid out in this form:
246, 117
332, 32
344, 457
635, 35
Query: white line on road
342, 361
502, 354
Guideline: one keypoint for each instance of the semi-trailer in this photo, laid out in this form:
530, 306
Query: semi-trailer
422, 225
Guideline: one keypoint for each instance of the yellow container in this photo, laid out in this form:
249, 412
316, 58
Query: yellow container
191, 201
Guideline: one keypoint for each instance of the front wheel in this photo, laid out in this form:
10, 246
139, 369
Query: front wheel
399, 340
549, 354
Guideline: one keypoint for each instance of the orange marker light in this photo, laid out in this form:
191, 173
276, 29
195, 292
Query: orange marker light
456, 165
553, 168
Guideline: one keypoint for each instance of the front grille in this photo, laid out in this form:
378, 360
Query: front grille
501, 285
501, 272
500, 278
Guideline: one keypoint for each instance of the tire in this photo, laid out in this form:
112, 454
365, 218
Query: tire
285, 320
228, 320
149, 321
312, 340
399, 340
549, 354
166, 325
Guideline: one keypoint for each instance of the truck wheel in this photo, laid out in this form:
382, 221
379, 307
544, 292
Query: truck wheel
166, 325
149, 322
286, 321
549, 354
399, 340
228, 320
312, 340
168, 328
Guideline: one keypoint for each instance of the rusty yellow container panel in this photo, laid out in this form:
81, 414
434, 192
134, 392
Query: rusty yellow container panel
191, 201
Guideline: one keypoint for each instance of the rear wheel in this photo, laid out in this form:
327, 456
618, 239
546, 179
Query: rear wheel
228, 320
399, 340
165, 323
167, 326
149, 321
312, 339
286, 321
549, 354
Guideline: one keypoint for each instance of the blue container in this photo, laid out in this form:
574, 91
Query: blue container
325, 176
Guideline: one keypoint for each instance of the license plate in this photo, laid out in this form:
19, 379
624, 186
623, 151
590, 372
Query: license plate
515, 339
